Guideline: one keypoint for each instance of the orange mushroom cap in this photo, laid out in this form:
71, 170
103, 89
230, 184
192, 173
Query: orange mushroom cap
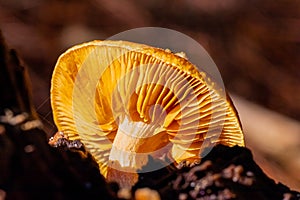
126, 101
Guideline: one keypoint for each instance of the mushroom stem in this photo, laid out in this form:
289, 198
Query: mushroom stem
133, 143
125, 152
129, 147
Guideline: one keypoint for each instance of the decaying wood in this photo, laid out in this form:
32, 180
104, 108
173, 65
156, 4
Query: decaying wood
14, 80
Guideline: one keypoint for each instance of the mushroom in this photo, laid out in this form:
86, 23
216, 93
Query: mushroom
126, 101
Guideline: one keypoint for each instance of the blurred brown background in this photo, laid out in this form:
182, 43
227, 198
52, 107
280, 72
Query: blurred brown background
255, 44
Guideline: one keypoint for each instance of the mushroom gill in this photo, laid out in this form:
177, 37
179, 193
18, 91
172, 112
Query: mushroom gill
126, 101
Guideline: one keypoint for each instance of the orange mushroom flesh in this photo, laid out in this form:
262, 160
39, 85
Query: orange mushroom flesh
126, 101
